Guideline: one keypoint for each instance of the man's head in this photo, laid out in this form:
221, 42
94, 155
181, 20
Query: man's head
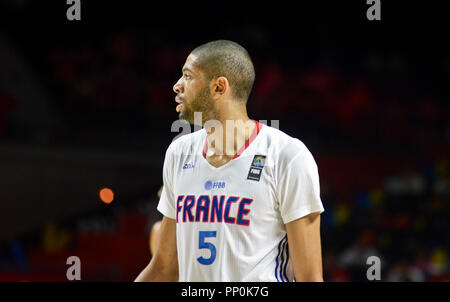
216, 70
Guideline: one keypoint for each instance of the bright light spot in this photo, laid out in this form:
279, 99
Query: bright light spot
106, 195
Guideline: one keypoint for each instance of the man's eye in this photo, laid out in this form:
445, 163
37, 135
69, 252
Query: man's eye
186, 76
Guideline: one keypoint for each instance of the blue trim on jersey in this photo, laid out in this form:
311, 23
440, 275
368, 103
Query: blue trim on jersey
283, 246
287, 261
281, 262
276, 260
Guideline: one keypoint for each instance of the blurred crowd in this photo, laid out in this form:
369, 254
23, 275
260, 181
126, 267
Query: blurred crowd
404, 222
124, 79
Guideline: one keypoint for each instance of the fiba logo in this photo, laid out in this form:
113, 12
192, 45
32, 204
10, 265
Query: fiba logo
208, 185
214, 185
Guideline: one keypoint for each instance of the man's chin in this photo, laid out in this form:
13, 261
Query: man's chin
182, 116
191, 118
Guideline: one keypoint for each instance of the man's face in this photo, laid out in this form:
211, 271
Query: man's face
193, 93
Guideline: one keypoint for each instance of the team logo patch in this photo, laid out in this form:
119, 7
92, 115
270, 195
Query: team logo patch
258, 161
256, 167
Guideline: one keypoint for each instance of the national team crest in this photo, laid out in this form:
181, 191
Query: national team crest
256, 167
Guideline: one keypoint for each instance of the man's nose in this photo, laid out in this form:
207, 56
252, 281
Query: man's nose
178, 88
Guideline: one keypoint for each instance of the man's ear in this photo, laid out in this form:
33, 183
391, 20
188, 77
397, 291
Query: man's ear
221, 86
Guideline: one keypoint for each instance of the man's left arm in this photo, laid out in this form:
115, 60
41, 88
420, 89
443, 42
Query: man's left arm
300, 208
305, 248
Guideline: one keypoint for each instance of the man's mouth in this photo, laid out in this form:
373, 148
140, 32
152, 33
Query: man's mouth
180, 104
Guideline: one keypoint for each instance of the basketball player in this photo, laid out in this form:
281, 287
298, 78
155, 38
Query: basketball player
241, 202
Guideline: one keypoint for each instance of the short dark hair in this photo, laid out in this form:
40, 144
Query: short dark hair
228, 59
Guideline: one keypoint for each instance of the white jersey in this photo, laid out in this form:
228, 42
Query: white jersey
231, 219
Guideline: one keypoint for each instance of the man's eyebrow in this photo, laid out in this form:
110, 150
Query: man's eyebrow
186, 69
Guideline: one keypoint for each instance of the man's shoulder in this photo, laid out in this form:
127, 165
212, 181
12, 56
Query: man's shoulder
287, 152
282, 144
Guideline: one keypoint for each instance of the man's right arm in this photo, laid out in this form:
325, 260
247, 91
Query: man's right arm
163, 266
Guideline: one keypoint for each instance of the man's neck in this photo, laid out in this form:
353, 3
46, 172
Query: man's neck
227, 136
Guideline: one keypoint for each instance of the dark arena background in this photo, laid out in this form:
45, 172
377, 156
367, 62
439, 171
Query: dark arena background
88, 104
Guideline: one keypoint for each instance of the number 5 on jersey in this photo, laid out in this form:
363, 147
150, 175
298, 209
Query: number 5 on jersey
202, 244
